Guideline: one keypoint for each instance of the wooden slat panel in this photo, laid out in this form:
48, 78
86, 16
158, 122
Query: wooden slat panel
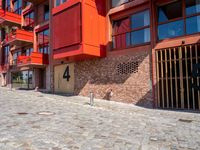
193, 101
166, 75
196, 53
162, 82
171, 84
176, 84
187, 82
181, 77
158, 81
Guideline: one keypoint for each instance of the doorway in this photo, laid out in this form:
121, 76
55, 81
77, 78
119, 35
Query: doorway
178, 77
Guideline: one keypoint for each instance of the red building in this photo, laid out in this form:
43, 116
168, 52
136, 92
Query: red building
144, 52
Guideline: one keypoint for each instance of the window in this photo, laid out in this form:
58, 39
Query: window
170, 11
15, 56
6, 54
173, 22
3, 34
140, 24
59, 2
131, 31
28, 51
18, 6
26, 3
192, 7
7, 5
116, 3
43, 41
193, 25
29, 19
166, 27
170, 30
46, 12
193, 16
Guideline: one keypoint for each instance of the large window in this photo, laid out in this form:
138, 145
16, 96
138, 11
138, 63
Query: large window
116, 3
132, 31
43, 41
178, 18
17, 6
59, 2
29, 19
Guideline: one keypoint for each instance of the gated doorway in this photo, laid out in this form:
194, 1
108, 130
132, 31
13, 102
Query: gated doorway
178, 72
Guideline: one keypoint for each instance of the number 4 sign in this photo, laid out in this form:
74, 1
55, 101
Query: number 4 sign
66, 74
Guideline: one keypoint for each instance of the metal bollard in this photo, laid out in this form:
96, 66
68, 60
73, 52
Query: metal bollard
91, 98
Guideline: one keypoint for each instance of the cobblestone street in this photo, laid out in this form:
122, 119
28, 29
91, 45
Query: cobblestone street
34, 121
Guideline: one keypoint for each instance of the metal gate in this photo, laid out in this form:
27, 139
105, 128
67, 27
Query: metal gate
178, 72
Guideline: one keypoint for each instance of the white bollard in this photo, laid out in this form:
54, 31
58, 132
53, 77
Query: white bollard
91, 98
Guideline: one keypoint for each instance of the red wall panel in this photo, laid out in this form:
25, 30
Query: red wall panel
67, 27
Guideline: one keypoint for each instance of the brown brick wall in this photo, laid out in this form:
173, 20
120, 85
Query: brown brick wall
101, 75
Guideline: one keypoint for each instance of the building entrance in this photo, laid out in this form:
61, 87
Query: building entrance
22, 79
178, 77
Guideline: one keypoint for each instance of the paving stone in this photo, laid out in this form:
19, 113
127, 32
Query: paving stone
36, 121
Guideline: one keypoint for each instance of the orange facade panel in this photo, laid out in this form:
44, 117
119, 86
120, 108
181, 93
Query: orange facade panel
9, 17
79, 27
36, 59
67, 33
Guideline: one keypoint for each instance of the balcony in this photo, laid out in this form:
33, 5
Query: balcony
4, 68
35, 59
19, 38
9, 18
86, 33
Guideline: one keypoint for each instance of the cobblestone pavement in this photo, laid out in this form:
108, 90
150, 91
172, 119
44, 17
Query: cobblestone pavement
34, 121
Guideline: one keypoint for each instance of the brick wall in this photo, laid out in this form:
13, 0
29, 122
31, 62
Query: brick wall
119, 74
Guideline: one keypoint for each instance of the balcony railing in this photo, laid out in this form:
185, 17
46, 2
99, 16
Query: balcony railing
7, 16
19, 35
34, 59
4, 67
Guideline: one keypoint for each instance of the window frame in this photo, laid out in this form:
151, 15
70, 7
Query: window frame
183, 18
132, 30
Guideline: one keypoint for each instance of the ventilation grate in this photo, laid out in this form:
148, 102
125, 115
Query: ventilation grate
128, 68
